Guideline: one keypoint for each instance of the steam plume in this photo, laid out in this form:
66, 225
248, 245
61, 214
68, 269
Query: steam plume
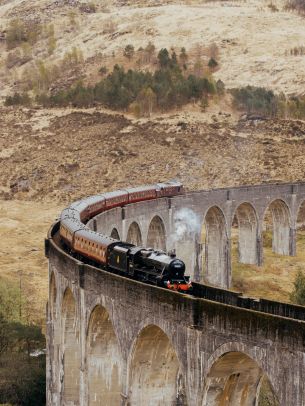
187, 223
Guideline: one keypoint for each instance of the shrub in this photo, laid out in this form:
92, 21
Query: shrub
22, 376
298, 293
129, 51
88, 8
110, 26
103, 70
256, 100
146, 101
273, 7
204, 103
295, 107
298, 5
72, 58
18, 33
22, 380
220, 86
212, 64
18, 99
80, 96
296, 51
135, 109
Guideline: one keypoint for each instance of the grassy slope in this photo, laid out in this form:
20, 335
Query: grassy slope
275, 279
23, 228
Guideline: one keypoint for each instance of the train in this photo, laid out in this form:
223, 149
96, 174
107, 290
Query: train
144, 264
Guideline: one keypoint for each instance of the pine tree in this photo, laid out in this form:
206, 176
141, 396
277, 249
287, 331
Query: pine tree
183, 57
150, 51
164, 58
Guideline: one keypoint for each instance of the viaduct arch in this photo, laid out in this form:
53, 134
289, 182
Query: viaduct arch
155, 377
103, 360
106, 333
71, 356
206, 249
248, 232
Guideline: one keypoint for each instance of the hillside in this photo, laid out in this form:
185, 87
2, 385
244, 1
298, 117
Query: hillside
49, 158
254, 39
63, 154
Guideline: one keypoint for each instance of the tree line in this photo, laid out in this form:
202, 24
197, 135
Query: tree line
258, 100
166, 88
142, 92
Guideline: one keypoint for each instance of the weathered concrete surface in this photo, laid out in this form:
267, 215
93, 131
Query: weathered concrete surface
114, 341
153, 223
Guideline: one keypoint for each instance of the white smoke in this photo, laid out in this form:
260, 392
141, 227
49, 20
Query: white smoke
187, 224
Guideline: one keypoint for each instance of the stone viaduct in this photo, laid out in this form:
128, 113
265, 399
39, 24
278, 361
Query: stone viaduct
114, 341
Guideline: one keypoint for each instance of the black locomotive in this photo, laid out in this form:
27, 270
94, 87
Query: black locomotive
148, 265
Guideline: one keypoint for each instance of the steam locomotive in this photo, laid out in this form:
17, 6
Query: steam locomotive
144, 264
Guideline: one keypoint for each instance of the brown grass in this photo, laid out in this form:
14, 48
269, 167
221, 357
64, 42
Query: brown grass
274, 280
24, 226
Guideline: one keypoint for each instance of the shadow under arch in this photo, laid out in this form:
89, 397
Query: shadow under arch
245, 218
71, 350
214, 239
235, 379
277, 218
134, 235
156, 237
115, 234
155, 377
103, 360
53, 296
